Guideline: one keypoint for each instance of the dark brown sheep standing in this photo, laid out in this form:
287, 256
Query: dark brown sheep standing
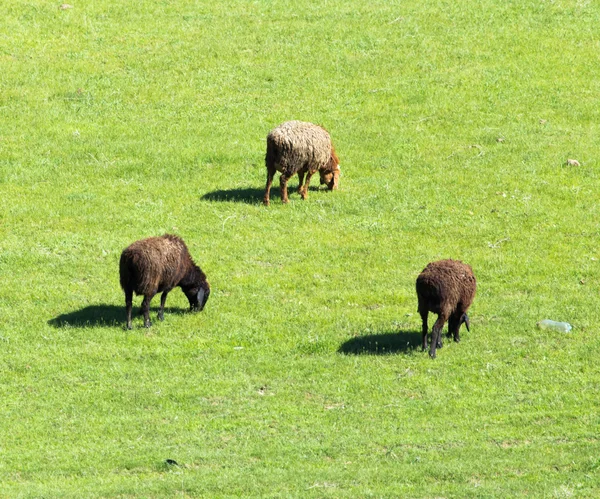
159, 264
302, 148
446, 288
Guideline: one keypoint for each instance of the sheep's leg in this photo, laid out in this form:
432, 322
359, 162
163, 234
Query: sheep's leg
163, 299
336, 181
304, 191
436, 333
128, 305
301, 179
146, 309
283, 180
454, 326
424, 314
270, 175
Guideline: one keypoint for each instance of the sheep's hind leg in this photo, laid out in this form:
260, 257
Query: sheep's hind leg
146, 309
424, 319
163, 299
304, 192
283, 180
301, 180
270, 175
128, 305
436, 335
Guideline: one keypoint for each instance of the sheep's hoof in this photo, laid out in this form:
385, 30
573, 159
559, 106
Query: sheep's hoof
130, 327
456, 339
432, 355
266, 202
161, 317
147, 324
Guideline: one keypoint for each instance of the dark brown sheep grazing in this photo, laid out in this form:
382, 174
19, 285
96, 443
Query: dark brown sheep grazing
159, 264
302, 148
446, 288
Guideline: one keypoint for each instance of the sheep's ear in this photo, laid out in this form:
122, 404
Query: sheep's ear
465, 319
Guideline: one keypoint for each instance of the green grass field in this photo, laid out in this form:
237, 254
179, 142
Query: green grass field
303, 376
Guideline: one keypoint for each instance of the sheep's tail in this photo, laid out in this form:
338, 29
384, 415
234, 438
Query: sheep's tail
126, 272
271, 156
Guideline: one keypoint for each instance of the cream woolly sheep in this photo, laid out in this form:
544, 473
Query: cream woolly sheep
302, 148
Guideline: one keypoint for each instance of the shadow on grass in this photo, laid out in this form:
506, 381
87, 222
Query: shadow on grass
251, 195
382, 344
104, 315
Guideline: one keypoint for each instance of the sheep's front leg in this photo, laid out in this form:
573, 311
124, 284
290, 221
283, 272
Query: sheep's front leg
163, 299
146, 309
436, 335
336, 181
301, 180
304, 191
270, 175
283, 180
454, 326
128, 305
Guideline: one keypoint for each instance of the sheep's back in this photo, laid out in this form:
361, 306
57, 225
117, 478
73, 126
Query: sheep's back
446, 284
153, 264
294, 145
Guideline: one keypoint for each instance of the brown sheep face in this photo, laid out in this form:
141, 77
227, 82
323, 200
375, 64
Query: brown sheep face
331, 179
330, 174
326, 178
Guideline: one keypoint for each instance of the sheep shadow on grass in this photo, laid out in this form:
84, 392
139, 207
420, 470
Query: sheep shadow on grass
104, 316
251, 195
382, 344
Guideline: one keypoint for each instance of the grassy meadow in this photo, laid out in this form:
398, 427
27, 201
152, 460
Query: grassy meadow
303, 376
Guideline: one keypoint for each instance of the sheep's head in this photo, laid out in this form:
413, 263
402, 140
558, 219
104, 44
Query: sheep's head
198, 296
330, 175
